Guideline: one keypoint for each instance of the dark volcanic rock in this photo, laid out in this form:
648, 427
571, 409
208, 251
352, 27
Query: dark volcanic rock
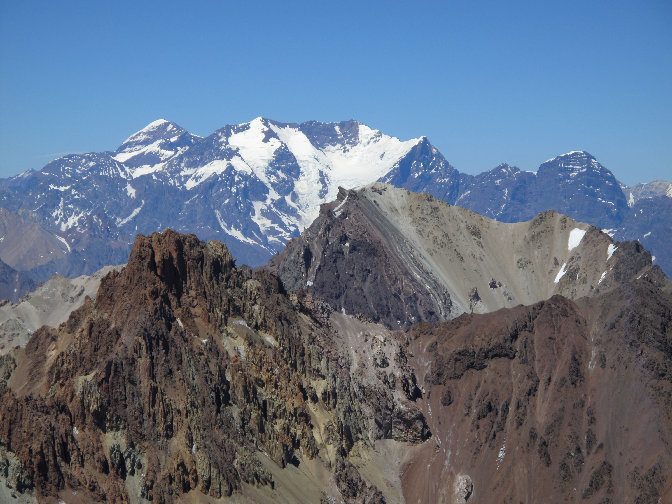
359, 263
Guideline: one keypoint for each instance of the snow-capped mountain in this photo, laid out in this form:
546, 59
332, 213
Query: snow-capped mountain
148, 149
252, 185
258, 184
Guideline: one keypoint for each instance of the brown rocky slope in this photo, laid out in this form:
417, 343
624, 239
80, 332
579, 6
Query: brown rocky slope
561, 401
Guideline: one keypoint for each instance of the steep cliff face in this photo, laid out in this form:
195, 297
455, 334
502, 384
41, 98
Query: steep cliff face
400, 257
188, 375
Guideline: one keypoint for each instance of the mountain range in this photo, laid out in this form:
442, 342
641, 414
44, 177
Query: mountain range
256, 185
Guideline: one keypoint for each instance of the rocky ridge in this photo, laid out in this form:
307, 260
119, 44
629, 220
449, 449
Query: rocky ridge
400, 258
558, 401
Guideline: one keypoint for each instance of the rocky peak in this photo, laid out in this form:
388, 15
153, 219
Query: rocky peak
322, 135
500, 171
578, 185
164, 268
177, 259
574, 163
154, 144
160, 129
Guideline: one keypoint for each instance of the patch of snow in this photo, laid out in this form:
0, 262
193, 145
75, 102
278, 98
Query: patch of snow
216, 167
463, 195
204, 341
653, 258
75, 430
576, 171
252, 148
270, 340
337, 210
260, 219
561, 273
647, 235
146, 170
575, 237
502, 453
71, 221
631, 200
134, 213
563, 155
130, 190
141, 135
232, 231
610, 232
59, 188
63, 241
153, 148
610, 250
241, 351
372, 157
179, 322
309, 283
602, 278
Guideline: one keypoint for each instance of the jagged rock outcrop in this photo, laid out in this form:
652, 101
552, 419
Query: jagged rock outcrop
400, 258
189, 374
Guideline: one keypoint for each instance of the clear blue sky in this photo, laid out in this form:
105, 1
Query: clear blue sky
487, 82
